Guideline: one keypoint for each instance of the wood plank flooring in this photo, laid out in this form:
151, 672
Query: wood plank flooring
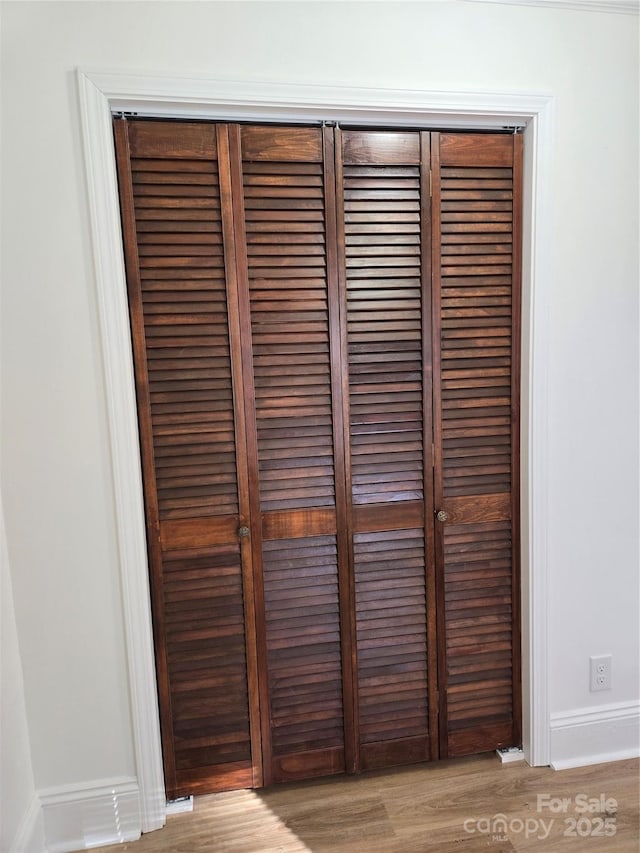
432, 808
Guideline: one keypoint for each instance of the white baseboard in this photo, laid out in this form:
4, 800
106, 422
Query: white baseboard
595, 735
30, 835
77, 817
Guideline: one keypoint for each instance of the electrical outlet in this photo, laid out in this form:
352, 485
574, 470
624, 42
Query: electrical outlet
600, 672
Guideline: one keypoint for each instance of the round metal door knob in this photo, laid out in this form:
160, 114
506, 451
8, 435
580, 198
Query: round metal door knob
442, 516
243, 532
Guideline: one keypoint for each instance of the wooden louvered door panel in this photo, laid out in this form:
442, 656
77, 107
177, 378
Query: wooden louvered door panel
288, 225
476, 199
383, 195
176, 215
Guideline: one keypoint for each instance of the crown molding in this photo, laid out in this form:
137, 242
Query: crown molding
621, 7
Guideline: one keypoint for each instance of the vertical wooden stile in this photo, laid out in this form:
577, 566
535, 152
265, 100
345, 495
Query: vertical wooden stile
242, 373
339, 380
516, 369
428, 444
235, 139
437, 440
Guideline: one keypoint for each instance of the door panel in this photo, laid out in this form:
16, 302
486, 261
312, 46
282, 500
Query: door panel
476, 183
287, 191
381, 203
172, 214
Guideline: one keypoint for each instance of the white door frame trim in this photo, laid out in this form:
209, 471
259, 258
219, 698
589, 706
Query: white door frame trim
103, 93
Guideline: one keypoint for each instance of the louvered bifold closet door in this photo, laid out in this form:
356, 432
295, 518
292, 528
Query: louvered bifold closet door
383, 181
476, 199
325, 327
174, 191
288, 223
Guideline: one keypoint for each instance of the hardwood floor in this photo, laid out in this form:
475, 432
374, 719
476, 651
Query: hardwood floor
432, 808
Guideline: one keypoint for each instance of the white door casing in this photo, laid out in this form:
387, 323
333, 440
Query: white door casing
101, 95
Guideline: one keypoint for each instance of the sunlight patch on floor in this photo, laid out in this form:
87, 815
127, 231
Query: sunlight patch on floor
241, 821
